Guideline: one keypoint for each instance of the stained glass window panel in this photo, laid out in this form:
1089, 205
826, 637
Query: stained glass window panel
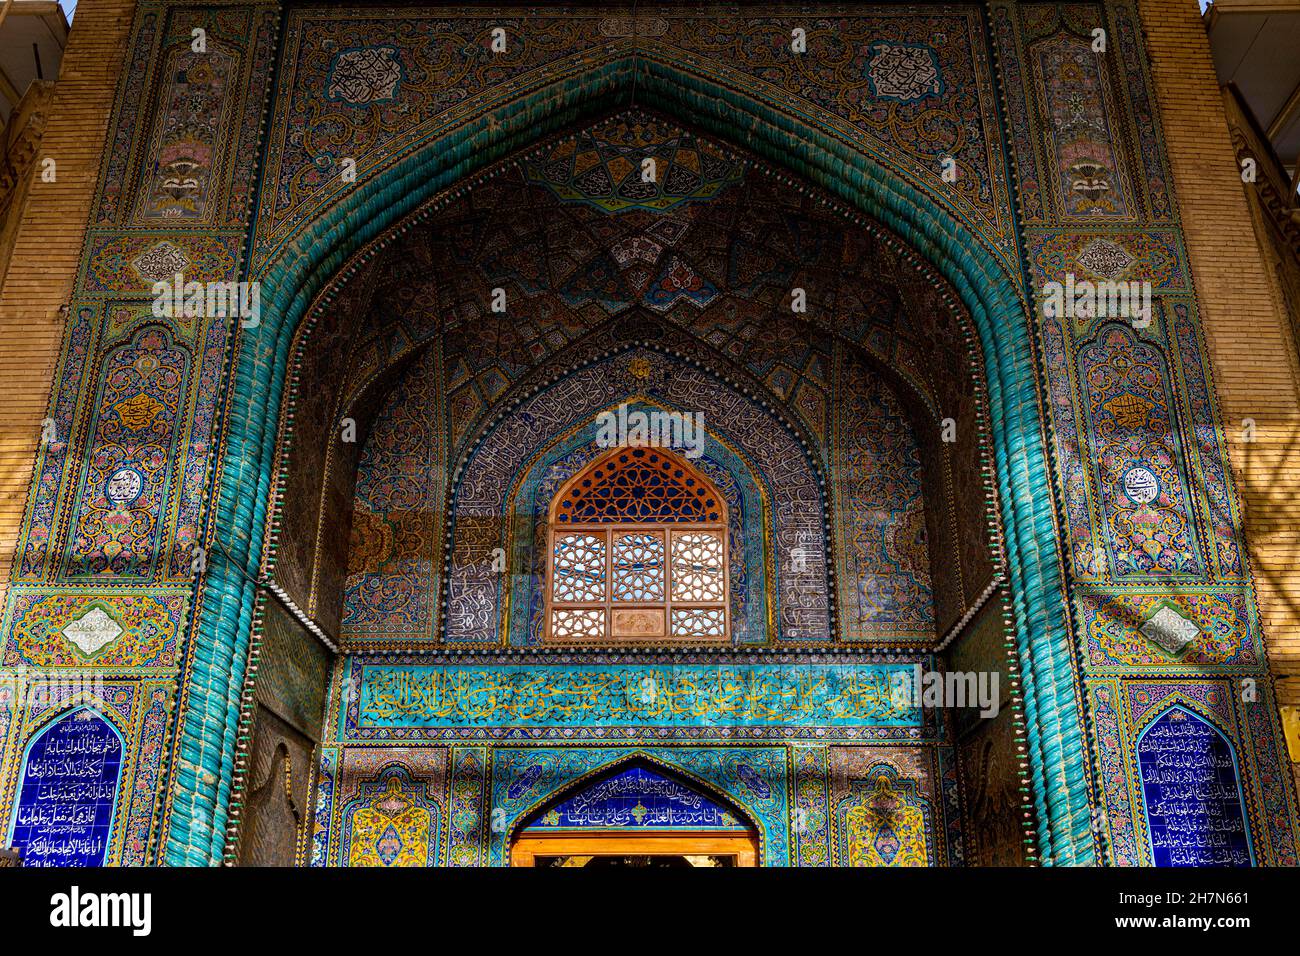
638, 566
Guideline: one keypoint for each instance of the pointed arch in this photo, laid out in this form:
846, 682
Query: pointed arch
637, 549
298, 268
510, 448
1217, 804
748, 492
639, 484
725, 813
635, 805
86, 737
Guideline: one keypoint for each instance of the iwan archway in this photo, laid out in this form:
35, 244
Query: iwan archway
825, 517
306, 270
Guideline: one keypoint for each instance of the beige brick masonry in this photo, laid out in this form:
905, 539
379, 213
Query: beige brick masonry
48, 246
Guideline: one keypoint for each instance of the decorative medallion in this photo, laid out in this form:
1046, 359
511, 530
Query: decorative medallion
903, 72
161, 262
1105, 258
389, 846
365, 76
1170, 631
92, 632
138, 411
640, 369
1130, 411
1141, 485
123, 487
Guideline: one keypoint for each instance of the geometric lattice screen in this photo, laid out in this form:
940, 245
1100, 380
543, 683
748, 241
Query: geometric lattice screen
638, 547
639, 485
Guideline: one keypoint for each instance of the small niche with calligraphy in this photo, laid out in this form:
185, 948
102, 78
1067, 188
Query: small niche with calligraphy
1191, 793
64, 812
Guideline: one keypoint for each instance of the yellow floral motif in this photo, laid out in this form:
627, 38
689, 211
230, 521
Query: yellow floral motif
1129, 410
149, 629
138, 411
883, 830
391, 830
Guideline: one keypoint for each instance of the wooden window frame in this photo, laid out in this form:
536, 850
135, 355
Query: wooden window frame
608, 531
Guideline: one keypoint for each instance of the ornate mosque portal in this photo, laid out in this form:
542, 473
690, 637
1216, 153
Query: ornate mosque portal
636, 393
637, 815
570, 435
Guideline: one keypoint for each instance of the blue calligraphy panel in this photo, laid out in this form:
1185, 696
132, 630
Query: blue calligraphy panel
638, 798
1192, 793
64, 811
593, 695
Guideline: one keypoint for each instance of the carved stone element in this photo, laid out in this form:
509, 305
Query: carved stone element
1105, 258
638, 622
93, 631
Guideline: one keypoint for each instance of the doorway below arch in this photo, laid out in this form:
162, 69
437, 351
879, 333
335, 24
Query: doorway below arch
659, 850
636, 816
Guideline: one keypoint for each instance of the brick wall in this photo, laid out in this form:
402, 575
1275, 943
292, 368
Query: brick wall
48, 245
1251, 345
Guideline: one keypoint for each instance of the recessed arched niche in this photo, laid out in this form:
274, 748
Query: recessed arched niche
67, 792
637, 814
1191, 793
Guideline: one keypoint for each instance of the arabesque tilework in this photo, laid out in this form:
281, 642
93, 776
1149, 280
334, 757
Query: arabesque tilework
1089, 490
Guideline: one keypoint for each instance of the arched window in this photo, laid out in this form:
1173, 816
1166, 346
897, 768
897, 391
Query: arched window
638, 551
